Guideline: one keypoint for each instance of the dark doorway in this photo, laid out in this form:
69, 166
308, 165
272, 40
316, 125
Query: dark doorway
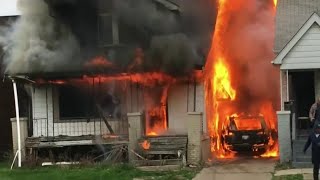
303, 94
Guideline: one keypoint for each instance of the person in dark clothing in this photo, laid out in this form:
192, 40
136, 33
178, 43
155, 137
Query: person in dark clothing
314, 113
314, 141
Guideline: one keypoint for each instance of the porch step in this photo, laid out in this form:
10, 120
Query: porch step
302, 164
302, 136
298, 145
301, 160
304, 158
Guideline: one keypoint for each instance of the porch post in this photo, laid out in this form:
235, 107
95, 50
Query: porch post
287, 83
316, 84
135, 133
284, 136
15, 93
281, 93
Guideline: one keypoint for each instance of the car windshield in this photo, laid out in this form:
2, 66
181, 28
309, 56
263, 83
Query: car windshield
248, 123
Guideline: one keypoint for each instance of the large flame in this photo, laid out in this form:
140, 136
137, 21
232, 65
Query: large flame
217, 84
222, 96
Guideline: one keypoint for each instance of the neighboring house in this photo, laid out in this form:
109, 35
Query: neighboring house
297, 46
7, 102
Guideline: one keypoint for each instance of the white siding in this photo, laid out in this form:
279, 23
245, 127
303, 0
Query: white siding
178, 107
42, 98
306, 53
181, 100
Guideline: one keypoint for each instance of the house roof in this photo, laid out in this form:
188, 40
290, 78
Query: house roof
314, 18
291, 15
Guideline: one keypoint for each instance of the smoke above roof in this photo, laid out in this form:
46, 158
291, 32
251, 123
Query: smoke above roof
54, 36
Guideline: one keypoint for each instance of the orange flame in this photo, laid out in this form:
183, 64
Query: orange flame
218, 85
220, 92
222, 83
145, 145
269, 114
275, 2
221, 89
98, 62
156, 116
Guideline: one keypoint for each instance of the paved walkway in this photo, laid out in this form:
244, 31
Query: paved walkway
306, 172
240, 169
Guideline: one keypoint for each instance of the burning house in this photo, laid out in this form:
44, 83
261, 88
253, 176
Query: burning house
160, 78
90, 67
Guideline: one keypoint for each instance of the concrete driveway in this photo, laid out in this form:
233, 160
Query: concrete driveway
239, 169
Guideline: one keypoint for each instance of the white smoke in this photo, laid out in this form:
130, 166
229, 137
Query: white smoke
36, 42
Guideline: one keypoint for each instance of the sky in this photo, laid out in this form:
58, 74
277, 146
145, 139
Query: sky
8, 7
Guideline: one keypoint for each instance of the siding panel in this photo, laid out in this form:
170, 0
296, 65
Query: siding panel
306, 53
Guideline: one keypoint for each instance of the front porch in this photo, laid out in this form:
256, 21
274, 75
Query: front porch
111, 116
299, 67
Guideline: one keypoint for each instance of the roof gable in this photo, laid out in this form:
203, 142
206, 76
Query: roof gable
314, 18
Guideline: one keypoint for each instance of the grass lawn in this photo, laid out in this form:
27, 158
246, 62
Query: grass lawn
290, 177
116, 172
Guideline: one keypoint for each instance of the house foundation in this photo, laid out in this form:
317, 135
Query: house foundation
23, 135
135, 133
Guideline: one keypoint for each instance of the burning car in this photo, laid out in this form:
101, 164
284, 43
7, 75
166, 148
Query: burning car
245, 133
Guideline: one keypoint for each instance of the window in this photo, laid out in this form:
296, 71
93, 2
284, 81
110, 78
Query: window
108, 29
105, 30
75, 103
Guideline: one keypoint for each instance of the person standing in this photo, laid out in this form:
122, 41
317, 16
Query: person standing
314, 141
314, 113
